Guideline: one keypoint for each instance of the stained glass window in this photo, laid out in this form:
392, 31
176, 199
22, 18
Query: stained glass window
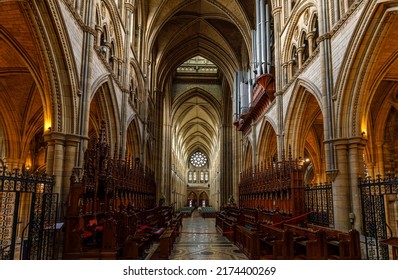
198, 159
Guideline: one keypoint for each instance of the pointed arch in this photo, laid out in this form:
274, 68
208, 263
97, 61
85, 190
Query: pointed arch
304, 127
133, 140
104, 106
267, 141
248, 156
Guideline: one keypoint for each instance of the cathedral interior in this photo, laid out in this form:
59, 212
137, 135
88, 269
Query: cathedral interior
131, 118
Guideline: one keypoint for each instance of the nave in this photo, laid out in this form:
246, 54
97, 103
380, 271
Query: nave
199, 240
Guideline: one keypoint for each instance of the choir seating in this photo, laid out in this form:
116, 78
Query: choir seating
341, 245
309, 244
109, 214
226, 220
166, 243
248, 242
276, 243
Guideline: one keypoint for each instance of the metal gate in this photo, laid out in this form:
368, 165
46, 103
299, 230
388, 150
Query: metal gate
28, 214
375, 227
319, 201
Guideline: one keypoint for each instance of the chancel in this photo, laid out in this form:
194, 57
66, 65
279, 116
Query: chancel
222, 129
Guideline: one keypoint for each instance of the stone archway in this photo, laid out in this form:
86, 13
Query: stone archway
192, 199
304, 132
267, 143
103, 107
203, 199
367, 109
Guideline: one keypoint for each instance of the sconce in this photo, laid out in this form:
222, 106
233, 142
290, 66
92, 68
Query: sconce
49, 128
363, 133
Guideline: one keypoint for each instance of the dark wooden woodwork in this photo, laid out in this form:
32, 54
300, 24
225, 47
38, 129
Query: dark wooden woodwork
247, 241
274, 187
308, 243
276, 243
341, 245
109, 202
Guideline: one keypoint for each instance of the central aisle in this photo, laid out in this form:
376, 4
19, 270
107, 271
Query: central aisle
204, 243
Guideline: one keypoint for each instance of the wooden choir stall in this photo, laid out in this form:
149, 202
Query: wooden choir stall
111, 212
271, 222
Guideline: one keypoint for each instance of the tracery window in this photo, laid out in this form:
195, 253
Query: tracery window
198, 159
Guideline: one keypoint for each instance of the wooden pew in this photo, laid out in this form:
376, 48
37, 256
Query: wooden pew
226, 222
176, 223
133, 248
308, 243
277, 243
341, 245
248, 218
271, 217
248, 241
166, 243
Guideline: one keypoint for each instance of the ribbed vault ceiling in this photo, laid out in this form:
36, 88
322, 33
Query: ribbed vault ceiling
214, 31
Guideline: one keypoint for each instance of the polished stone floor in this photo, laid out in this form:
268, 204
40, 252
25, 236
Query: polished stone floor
199, 240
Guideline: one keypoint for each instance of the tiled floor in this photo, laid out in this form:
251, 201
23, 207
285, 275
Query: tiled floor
199, 240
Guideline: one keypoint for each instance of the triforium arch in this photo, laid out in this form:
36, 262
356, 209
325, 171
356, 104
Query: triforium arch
304, 130
301, 24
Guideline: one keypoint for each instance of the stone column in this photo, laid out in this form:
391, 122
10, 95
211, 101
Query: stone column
254, 145
85, 84
99, 30
70, 156
55, 163
300, 57
291, 69
356, 150
310, 39
285, 75
379, 158
341, 189
108, 51
280, 138
280, 79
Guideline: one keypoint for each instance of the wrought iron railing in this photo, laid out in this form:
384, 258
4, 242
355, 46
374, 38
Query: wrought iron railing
27, 199
319, 201
374, 218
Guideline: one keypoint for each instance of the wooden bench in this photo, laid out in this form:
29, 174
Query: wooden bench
308, 243
133, 247
271, 217
166, 243
248, 242
277, 243
341, 245
226, 225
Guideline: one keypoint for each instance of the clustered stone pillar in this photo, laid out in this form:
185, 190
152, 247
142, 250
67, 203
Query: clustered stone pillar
356, 149
341, 189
